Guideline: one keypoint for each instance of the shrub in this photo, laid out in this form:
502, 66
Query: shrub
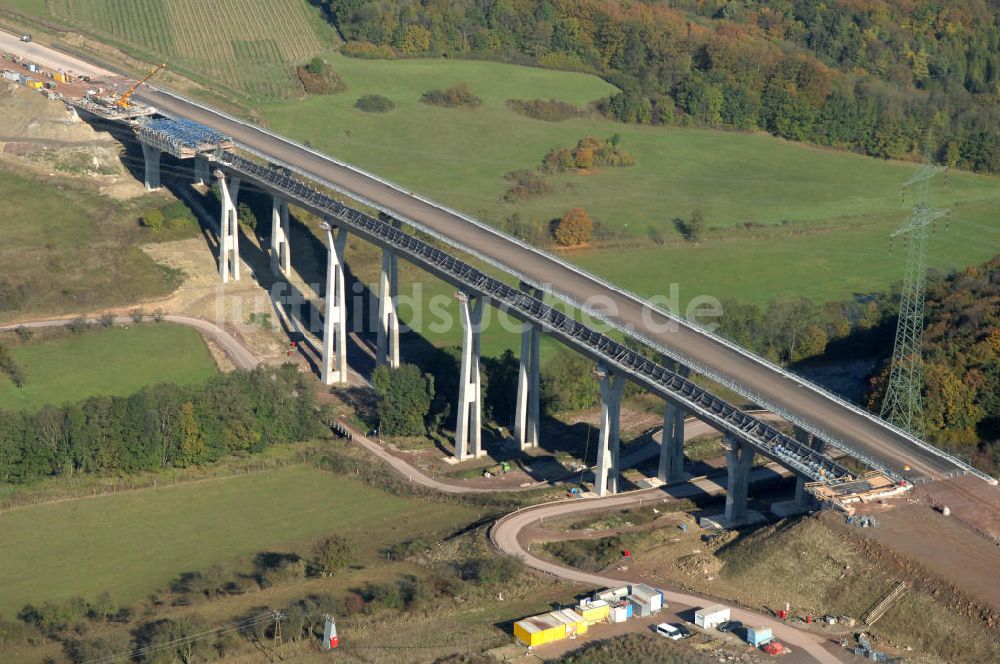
330, 555
10, 368
78, 325
137, 315
24, 333
526, 184
319, 78
275, 569
177, 215
368, 51
588, 153
246, 216
12, 296
692, 229
575, 228
453, 97
375, 104
552, 110
106, 320
153, 220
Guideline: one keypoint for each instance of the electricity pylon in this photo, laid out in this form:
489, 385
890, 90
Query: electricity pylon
902, 404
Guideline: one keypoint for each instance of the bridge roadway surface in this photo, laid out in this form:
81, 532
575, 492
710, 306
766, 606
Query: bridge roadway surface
756, 380
759, 381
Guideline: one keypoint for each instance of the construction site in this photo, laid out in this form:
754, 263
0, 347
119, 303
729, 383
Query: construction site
860, 564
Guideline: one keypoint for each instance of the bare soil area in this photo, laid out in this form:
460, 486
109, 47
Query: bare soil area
944, 545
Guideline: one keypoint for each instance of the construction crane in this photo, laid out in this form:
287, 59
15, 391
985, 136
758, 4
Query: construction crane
126, 99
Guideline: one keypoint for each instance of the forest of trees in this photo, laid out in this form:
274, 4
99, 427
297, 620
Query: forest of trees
869, 76
160, 427
962, 364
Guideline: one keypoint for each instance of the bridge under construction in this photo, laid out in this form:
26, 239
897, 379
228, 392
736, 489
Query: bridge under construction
231, 151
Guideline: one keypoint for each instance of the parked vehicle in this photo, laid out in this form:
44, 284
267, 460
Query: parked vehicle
26, 38
730, 626
673, 631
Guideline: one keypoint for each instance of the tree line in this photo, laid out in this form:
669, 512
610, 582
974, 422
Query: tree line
865, 76
160, 427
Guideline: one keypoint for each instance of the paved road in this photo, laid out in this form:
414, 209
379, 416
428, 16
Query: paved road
236, 351
761, 382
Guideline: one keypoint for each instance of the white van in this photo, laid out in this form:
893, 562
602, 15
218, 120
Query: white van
675, 632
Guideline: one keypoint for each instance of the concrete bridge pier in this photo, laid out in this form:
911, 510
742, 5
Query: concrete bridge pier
334, 369
229, 229
280, 233
739, 462
802, 501
151, 162
387, 342
609, 446
528, 386
671, 468
201, 174
468, 426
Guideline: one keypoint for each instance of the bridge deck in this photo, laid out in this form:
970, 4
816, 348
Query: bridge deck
834, 421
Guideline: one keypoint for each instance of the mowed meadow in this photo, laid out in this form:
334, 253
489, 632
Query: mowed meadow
133, 543
784, 218
105, 362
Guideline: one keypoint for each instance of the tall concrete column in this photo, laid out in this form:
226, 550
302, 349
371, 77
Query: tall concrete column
528, 386
201, 175
151, 162
671, 468
609, 445
280, 247
388, 321
468, 426
334, 360
229, 230
739, 462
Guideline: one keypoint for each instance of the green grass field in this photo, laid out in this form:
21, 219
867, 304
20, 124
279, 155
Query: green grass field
72, 250
828, 213
249, 46
115, 361
133, 543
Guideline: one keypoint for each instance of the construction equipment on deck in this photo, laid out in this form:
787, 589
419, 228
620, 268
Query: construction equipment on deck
125, 100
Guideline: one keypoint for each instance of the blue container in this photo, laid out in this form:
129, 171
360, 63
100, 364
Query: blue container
758, 636
628, 609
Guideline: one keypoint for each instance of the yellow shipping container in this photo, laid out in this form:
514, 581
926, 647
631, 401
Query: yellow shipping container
594, 612
575, 623
35, 85
538, 630
58, 76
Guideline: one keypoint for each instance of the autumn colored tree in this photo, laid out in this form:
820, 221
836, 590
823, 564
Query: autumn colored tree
575, 228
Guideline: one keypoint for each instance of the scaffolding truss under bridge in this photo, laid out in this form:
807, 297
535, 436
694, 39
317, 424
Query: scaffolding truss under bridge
181, 138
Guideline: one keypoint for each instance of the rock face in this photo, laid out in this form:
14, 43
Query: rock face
41, 131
